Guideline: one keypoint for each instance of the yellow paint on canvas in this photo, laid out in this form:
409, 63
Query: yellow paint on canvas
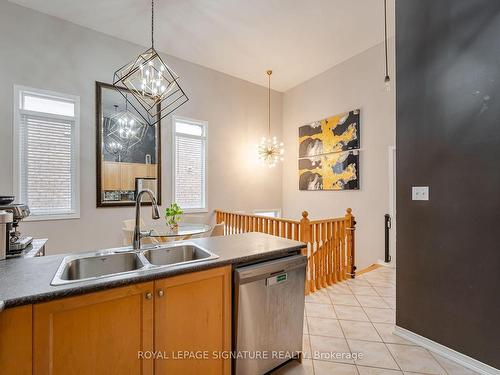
332, 142
331, 180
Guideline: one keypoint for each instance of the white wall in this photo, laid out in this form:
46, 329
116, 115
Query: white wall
355, 83
44, 52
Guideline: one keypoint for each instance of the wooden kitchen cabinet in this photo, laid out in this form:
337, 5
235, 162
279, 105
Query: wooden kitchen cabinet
16, 341
193, 313
99, 333
121, 176
111, 176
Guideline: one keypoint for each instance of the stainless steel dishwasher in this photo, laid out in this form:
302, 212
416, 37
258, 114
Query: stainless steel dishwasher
268, 314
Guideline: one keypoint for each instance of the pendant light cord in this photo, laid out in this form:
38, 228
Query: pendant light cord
269, 103
152, 23
385, 40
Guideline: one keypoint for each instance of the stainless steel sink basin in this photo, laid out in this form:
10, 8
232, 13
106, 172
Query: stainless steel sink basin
90, 267
177, 254
122, 261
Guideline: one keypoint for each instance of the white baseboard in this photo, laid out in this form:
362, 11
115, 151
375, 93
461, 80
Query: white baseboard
446, 352
385, 264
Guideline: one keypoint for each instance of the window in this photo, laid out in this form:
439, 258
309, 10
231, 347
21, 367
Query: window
189, 164
46, 160
276, 213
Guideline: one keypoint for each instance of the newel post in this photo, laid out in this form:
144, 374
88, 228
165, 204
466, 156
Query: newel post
350, 228
305, 236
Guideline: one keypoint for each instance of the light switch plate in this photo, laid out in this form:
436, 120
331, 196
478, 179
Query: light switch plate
420, 193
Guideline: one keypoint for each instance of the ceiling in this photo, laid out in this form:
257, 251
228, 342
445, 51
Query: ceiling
298, 39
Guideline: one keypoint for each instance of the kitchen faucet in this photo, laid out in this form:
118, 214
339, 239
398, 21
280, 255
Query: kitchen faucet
155, 215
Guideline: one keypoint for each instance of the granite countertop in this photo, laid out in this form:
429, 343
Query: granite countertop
26, 281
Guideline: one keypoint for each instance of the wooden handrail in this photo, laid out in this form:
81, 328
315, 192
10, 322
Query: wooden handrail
330, 242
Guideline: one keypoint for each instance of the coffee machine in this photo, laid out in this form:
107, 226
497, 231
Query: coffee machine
17, 242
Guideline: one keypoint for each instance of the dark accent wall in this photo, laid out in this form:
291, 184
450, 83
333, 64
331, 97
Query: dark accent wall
448, 138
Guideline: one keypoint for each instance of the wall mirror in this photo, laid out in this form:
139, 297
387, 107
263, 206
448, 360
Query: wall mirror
128, 150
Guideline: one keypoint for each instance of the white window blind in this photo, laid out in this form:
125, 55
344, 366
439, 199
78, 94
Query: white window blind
190, 149
46, 168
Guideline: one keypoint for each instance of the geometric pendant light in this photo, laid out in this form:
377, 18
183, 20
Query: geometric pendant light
270, 151
152, 83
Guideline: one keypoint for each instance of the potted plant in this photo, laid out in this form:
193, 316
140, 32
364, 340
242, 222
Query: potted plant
173, 215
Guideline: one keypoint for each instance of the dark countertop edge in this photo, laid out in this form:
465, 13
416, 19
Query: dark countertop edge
149, 275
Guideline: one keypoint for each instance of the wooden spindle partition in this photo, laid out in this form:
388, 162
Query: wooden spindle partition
330, 242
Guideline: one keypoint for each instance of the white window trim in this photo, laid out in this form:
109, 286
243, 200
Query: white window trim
16, 151
262, 210
176, 118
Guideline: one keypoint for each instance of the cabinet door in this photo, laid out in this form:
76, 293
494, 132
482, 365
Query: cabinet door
129, 171
111, 176
193, 314
15, 341
100, 333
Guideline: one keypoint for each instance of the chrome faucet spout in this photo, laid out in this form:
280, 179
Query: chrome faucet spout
155, 214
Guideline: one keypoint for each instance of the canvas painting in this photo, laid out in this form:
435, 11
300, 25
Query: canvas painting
337, 171
333, 134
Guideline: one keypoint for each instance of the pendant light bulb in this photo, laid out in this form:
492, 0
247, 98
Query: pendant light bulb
387, 79
387, 83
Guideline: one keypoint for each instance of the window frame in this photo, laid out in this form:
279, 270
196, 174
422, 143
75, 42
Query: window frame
203, 124
18, 112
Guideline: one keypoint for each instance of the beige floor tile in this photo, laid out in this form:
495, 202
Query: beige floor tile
351, 313
359, 281
372, 301
329, 368
306, 347
452, 368
415, 359
324, 327
305, 329
321, 296
386, 331
383, 283
363, 370
296, 368
363, 290
386, 291
391, 301
359, 330
330, 349
345, 299
377, 315
320, 310
374, 354
339, 288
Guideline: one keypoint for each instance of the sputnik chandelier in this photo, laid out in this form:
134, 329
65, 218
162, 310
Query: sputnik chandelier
270, 150
152, 83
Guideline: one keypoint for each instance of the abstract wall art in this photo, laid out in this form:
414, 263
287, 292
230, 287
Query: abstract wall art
333, 134
336, 171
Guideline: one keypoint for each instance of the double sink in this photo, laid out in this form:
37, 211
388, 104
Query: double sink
119, 262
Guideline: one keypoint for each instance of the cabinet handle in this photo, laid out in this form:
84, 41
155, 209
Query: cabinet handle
149, 295
161, 293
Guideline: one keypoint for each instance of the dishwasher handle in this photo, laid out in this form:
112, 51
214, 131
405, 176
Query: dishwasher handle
266, 269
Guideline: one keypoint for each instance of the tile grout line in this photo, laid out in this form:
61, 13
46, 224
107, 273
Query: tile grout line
387, 348
345, 337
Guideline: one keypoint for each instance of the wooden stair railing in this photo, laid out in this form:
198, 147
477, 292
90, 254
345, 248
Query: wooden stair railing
330, 242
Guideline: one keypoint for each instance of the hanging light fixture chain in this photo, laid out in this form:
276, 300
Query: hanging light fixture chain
152, 23
385, 40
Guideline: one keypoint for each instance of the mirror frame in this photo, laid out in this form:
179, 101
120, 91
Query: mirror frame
98, 112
